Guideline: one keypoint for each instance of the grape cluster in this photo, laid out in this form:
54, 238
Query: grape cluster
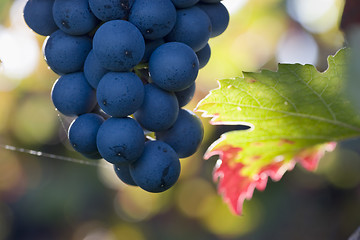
127, 67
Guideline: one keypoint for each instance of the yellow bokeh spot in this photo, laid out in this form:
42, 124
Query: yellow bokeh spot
6, 107
192, 194
135, 204
222, 222
35, 120
127, 232
11, 171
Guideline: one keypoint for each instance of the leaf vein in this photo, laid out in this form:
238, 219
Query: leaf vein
316, 93
300, 115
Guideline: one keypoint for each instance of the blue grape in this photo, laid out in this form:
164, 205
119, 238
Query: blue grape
184, 3
157, 169
83, 131
72, 95
38, 16
173, 66
185, 135
122, 170
219, 17
193, 27
118, 45
120, 94
107, 10
150, 46
159, 109
74, 16
204, 55
154, 19
65, 53
93, 70
120, 140
185, 96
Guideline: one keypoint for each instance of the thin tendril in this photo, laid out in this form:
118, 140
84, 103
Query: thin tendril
53, 156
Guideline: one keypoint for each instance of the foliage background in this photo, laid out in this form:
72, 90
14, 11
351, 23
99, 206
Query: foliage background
42, 198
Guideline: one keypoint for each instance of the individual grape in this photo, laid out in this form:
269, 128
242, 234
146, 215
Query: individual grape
157, 169
93, 70
74, 16
122, 170
115, 50
65, 53
204, 55
219, 17
150, 46
107, 10
38, 16
72, 95
185, 135
159, 109
83, 131
154, 19
185, 96
120, 140
184, 3
120, 94
173, 66
193, 27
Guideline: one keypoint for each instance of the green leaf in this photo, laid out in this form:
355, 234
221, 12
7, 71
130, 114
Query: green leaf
295, 115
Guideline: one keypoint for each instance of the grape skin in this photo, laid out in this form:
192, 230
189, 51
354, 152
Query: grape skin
185, 96
38, 16
157, 169
122, 171
74, 16
219, 17
115, 50
83, 131
120, 140
185, 135
159, 109
173, 66
193, 27
204, 55
72, 95
107, 10
150, 46
184, 3
65, 53
120, 94
154, 19
93, 70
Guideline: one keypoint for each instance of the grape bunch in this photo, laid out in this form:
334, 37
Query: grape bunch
127, 67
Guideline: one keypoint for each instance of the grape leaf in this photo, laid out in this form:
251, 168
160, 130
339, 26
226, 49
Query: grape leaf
294, 114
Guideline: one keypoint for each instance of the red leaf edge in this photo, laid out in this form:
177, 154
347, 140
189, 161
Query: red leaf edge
235, 187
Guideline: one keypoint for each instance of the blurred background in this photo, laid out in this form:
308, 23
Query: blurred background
45, 198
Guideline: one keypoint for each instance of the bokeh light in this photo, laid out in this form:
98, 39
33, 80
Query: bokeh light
19, 53
316, 16
297, 46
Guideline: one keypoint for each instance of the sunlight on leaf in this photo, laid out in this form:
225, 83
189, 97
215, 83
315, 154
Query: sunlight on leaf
296, 114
